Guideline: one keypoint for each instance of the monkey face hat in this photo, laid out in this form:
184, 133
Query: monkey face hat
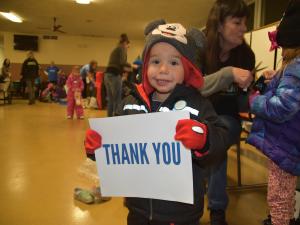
189, 43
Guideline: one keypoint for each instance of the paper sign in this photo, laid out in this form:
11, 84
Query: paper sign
140, 158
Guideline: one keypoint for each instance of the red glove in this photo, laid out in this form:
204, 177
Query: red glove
192, 134
93, 141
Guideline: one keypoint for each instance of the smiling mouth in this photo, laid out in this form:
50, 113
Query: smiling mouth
161, 82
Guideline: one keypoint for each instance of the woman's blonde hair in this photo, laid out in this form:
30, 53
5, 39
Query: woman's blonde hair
288, 54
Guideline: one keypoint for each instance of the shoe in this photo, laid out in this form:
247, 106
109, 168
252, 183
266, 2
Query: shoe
269, 222
81, 118
217, 217
90, 197
84, 196
69, 117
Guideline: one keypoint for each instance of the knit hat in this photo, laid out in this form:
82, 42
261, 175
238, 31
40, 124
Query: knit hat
288, 31
190, 44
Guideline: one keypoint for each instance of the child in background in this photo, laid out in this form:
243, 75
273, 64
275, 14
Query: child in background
60, 89
171, 77
276, 128
49, 94
75, 87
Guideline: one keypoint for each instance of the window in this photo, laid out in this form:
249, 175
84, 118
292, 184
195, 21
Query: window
272, 10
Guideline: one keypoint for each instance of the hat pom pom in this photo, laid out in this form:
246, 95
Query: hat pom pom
151, 26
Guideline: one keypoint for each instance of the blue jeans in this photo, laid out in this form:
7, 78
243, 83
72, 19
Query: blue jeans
113, 85
217, 174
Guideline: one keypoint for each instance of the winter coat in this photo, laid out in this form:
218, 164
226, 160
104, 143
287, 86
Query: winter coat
201, 110
276, 128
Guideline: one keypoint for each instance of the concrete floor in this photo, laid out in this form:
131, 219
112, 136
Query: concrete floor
40, 155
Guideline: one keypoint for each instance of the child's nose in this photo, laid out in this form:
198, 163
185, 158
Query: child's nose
163, 68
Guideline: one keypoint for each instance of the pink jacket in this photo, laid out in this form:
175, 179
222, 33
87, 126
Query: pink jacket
74, 83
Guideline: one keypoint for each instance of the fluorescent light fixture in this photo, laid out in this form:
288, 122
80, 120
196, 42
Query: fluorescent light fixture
83, 1
12, 17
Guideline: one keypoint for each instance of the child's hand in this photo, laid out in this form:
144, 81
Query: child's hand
252, 96
93, 141
192, 134
269, 74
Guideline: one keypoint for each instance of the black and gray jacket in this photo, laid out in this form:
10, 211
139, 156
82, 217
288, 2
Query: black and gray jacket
30, 69
201, 110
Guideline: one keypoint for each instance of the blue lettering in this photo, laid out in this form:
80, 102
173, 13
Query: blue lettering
106, 146
134, 153
125, 156
176, 160
166, 153
156, 150
115, 154
143, 153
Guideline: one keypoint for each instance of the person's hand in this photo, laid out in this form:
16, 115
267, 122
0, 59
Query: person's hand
93, 141
242, 77
192, 134
269, 74
135, 66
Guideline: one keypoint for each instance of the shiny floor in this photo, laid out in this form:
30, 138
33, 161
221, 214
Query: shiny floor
40, 152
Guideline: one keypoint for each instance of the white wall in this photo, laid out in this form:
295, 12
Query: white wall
71, 50
260, 45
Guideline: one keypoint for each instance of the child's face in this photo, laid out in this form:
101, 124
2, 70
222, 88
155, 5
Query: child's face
76, 72
165, 68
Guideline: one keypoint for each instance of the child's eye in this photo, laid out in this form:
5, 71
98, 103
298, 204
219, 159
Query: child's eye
174, 62
154, 61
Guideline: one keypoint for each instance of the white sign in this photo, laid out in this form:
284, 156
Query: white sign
140, 158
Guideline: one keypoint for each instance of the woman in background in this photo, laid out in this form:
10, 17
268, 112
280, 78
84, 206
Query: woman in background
227, 49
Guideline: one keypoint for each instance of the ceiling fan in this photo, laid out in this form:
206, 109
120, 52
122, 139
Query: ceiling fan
55, 27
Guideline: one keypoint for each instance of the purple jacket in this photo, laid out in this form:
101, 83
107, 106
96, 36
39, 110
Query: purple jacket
276, 128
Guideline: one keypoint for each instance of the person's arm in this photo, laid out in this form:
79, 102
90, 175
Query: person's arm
23, 69
38, 69
284, 103
46, 72
223, 78
123, 57
217, 81
69, 83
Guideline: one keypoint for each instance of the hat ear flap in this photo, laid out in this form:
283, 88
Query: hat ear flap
151, 26
198, 37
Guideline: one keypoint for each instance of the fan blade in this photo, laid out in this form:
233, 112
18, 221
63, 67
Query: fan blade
61, 31
57, 27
